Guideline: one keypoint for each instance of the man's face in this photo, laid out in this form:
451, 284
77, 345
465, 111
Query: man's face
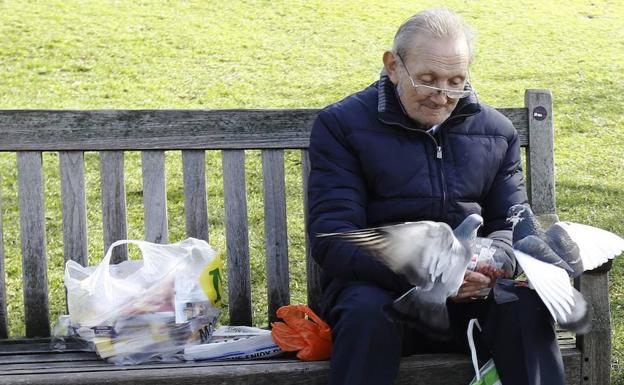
430, 62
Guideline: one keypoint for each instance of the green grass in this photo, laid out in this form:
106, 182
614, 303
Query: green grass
275, 54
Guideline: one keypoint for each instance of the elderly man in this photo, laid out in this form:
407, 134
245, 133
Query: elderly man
418, 145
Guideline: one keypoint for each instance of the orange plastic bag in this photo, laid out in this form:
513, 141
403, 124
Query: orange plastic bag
303, 332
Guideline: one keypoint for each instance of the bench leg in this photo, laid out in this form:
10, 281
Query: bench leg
596, 345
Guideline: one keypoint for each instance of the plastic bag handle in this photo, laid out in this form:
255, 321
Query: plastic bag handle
104, 265
473, 350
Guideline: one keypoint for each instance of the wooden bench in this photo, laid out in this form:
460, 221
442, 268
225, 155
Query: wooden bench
28, 359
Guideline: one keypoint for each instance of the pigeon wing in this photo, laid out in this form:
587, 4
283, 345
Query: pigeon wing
421, 251
596, 246
551, 283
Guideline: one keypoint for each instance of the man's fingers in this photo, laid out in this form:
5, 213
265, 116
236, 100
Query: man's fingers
473, 285
476, 278
471, 288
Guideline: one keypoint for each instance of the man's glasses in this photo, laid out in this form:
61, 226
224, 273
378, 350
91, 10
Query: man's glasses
429, 90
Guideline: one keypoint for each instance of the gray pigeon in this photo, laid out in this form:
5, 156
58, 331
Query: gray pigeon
432, 257
551, 258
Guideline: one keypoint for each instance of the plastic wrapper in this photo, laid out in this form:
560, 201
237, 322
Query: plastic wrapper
149, 337
482, 261
235, 343
144, 310
482, 254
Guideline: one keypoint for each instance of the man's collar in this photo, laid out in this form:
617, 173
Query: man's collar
391, 111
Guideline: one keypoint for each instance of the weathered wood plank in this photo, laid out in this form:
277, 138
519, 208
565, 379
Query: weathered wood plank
432, 369
313, 270
520, 119
49, 130
49, 358
114, 202
154, 196
4, 328
596, 345
70, 364
74, 206
540, 165
155, 129
32, 231
21, 346
195, 204
237, 237
275, 233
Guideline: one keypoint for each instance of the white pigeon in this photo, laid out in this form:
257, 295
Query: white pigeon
551, 258
432, 257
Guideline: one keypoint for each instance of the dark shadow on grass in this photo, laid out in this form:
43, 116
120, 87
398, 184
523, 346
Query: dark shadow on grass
588, 190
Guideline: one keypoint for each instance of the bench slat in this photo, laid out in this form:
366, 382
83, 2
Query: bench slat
74, 206
431, 369
46, 357
32, 226
313, 270
4, 329
195, 205
114, 202
169, 129
21, 346
237, 237
154, 196
56, 366
275, 231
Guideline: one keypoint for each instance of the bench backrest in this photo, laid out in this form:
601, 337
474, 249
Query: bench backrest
29, 133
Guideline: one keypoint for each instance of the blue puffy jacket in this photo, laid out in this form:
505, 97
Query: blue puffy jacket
372, 165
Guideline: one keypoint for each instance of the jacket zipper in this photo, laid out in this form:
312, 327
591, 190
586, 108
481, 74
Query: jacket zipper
440, 144
442, 177
439, 154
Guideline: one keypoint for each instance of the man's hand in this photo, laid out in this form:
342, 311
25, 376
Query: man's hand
472, 286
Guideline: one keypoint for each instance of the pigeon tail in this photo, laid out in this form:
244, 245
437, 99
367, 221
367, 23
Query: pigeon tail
418, 308
524, 222
579, 319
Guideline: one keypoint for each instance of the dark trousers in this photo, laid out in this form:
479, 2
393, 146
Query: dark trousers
367, 347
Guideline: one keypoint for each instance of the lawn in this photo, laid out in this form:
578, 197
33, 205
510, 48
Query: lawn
291, 54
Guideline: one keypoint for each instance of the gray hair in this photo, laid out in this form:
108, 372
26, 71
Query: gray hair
436, 23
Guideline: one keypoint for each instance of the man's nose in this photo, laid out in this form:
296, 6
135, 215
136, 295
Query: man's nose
439, 97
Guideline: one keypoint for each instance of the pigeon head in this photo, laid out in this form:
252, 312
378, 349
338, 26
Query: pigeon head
523, 221
514, 214
467, 230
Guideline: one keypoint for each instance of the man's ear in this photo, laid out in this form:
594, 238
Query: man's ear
390, 64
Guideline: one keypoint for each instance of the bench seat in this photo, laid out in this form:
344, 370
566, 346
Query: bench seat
30, 361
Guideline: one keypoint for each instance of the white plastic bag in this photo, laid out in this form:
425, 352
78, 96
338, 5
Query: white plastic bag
487, 374
100, 295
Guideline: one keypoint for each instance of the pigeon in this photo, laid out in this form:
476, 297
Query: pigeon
432, 257
551, 257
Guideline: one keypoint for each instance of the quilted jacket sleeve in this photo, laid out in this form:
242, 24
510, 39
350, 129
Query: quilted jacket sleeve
507, 190
337, 197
